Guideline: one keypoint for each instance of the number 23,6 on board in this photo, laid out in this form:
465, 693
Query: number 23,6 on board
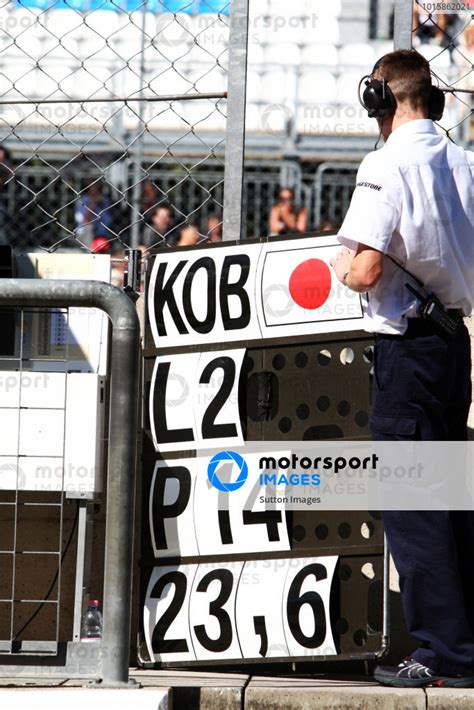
233, 610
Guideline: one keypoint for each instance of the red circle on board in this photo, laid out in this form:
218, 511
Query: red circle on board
310, 284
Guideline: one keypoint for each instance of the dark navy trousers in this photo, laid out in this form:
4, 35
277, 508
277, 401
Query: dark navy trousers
422, 391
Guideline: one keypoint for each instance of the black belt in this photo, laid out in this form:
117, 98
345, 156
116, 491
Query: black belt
420, 326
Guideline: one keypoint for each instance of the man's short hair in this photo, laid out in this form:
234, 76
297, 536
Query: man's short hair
408, 75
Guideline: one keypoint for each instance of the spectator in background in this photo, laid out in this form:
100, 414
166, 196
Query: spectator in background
454, 25
150, 199
440, 27
467, 82
6, 173
328, 225
100, 245
429, 26
285, 216
214, 229
161, 231
467, 52
93, 215
189, 236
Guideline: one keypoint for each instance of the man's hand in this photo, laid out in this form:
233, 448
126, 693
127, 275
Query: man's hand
341, 263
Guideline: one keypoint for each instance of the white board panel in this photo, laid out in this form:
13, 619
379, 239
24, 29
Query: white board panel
166, 621
221, 523
203, 296
55, 449
211, 611
171, 402
298, 292
305, 608
9, 429
43, 390
188, 516
258, 609
9, 389
84, 433
41, 473
41, 432
170, 509
232, 610
193, 401
216, 400
8, 473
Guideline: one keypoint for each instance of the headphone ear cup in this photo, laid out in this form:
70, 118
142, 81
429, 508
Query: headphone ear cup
378, 99
436, 104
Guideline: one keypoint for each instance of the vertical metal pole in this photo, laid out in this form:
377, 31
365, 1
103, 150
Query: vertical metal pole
373, 19
318, 191
80, 569
137, 166
235, 131
402, 34
120, 502
386, 596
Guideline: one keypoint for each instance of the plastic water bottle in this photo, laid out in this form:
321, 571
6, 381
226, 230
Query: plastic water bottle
91, 627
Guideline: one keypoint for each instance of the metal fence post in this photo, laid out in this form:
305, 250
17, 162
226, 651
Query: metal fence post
235, 131
138, 147
122, 447
402, 34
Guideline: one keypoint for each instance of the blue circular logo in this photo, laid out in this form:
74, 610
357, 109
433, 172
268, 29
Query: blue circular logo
232, 458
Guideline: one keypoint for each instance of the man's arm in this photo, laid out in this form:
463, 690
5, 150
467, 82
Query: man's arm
361, 270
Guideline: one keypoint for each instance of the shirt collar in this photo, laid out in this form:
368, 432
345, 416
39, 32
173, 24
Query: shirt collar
420, 125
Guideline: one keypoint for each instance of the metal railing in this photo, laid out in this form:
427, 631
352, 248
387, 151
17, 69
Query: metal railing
113, 663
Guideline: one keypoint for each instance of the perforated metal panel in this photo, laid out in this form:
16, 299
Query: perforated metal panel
357, 604
319, 390
311, 391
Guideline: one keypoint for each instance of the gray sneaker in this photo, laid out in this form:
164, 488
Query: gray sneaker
411, 674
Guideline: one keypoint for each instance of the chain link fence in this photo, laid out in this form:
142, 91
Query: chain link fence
444, 34
95, 99
324, 191
113, 113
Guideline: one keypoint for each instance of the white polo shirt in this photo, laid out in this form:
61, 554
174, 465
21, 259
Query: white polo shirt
414, 201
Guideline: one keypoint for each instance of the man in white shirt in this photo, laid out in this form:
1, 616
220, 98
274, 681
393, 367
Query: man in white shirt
413, 207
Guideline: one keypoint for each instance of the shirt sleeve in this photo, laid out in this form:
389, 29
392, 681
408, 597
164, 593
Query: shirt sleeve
374, 212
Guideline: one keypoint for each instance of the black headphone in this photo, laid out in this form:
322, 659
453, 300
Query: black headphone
379, 101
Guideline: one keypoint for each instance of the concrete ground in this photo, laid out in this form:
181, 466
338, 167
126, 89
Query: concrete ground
191, 690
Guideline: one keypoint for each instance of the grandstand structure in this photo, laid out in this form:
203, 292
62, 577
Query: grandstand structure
81, 95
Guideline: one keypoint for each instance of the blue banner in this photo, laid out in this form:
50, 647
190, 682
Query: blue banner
189, 7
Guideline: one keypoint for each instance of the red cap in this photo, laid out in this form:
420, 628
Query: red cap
100, 245
93, 602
